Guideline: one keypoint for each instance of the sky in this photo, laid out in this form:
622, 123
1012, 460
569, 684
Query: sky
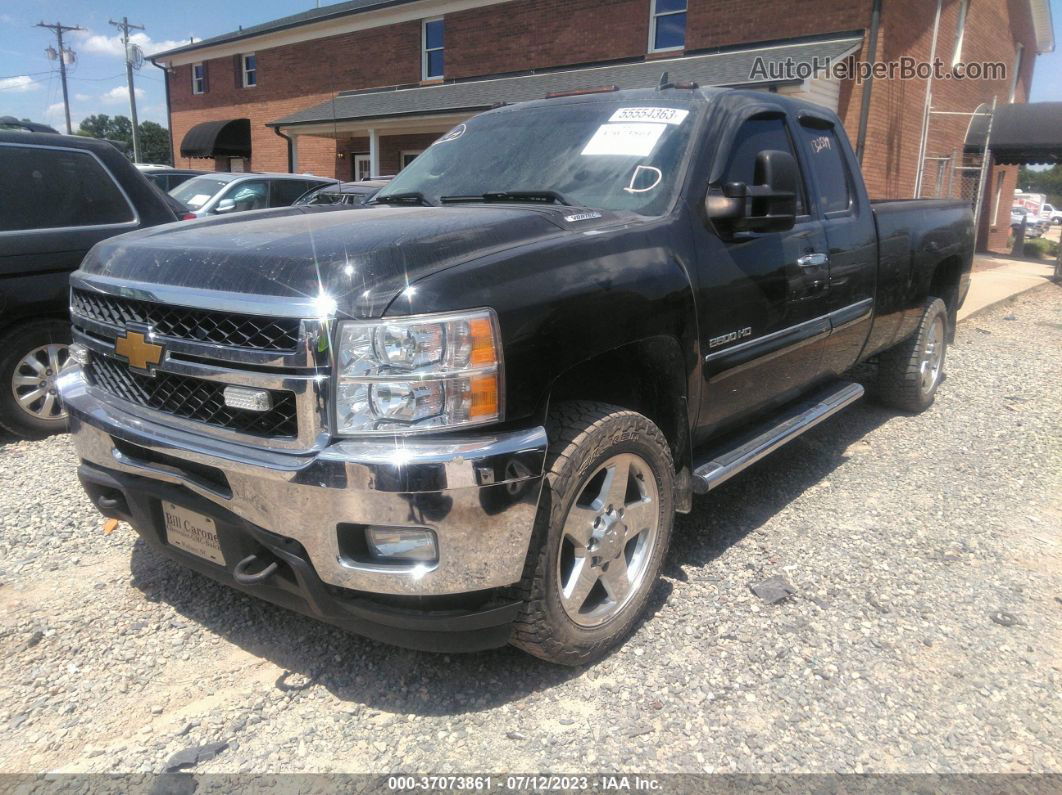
30, 86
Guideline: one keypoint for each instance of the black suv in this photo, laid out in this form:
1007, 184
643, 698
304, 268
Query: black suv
59, 196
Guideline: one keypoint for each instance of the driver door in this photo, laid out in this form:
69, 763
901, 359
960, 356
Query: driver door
762, 305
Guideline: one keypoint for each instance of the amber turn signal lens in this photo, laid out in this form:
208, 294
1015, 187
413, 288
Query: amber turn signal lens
484, 394
483, 351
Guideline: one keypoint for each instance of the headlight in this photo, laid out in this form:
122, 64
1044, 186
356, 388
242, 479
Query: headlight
421, 373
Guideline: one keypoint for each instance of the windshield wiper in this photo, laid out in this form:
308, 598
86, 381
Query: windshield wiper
413, 197
534, 196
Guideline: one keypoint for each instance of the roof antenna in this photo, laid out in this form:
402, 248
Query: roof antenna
664, 82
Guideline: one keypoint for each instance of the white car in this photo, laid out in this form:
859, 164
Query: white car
1051, 214
218, 193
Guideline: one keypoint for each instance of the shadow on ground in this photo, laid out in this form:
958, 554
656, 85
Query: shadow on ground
397, 680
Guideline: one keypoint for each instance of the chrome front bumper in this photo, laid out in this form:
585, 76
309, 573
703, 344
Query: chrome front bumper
478, 493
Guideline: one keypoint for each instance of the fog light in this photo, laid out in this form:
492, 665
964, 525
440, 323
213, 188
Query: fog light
402, 544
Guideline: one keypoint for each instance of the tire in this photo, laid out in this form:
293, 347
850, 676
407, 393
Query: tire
909, 374
591, 446
38, 349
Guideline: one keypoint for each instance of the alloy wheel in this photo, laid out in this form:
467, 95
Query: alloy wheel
33, 382
608, 540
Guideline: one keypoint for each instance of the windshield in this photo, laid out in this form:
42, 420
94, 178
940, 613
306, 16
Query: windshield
603, 155
197, 191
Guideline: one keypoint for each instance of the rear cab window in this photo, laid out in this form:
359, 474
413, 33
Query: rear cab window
53, 188
829, 168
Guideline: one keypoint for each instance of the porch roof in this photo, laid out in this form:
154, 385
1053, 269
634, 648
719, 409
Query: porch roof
729, 68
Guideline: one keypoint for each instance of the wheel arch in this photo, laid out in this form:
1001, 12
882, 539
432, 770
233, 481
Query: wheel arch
944, 284
647, 376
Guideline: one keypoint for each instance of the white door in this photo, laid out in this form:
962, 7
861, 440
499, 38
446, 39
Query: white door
362, 167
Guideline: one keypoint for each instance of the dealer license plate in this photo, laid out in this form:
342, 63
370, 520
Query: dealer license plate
192, 532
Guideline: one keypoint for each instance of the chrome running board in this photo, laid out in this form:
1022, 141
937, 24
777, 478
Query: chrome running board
723, 464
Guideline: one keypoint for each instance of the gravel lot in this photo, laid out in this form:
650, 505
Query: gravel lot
925, 634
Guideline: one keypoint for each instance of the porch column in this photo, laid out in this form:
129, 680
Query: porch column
374, 153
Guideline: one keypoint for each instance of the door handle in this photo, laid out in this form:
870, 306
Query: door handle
814, 261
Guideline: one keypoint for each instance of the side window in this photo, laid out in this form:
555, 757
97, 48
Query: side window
250, 195
829, 168
753, 137
286, 191
53, 188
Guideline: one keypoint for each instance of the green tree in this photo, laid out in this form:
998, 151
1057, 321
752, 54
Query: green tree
1048, 181
154, 138
154, 143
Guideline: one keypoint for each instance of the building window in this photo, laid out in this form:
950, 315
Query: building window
433, 49
409, 156
956, 58
1017, 71
667, 29
250, 71
198, 78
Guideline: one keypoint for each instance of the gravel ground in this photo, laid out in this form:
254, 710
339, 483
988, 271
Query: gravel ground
925, 634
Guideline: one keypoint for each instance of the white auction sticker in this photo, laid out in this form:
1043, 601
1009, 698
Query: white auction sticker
665, 115
632, 140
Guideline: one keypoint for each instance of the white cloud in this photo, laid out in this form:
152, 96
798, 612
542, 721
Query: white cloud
55, 117
82, 97
101, 44
120, 94
19, 84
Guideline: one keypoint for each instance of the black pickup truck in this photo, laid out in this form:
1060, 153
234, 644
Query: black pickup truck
59, 196
467, 414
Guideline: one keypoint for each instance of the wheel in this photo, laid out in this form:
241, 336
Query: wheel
601, 534
909, 374
31, 358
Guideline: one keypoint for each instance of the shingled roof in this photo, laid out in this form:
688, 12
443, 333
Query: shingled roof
730, 68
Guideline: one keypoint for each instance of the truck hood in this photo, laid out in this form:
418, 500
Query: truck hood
362, 258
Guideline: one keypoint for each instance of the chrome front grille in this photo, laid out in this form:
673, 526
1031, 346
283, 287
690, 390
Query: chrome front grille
266, 343
193, 399
198, 325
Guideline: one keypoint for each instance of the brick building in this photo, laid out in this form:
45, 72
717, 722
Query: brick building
361, 87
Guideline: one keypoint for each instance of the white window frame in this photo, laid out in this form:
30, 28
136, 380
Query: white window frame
359, 158
1018, 58
424, 49
402, 156
998, 199
654, 17
960, 32
200, 81
245, 71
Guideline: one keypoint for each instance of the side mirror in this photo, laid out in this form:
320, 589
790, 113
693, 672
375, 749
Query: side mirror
225, 206
767, 206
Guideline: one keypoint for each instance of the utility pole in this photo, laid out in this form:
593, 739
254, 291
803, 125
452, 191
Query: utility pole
125, 27
59, 29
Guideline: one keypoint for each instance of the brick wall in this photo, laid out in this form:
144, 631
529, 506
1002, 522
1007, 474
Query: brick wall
536, 34
292, 78
513, 36
894, 128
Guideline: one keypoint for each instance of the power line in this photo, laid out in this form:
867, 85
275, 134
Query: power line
59, 29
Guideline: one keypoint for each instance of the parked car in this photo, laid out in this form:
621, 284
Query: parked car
467, 414
1051, 215
1034, 227
220, 193
351, 194
167, 177
59, 195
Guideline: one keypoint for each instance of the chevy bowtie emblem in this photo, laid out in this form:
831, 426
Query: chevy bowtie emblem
135, 348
